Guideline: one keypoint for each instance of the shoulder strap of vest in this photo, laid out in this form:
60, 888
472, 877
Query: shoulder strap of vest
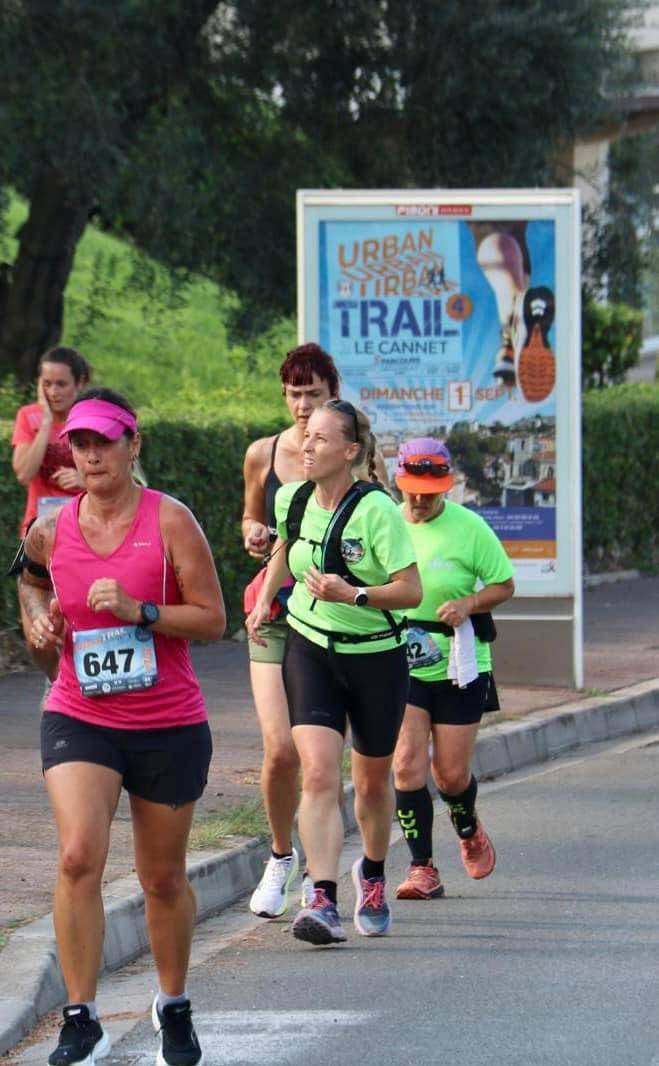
331, 559
296, 509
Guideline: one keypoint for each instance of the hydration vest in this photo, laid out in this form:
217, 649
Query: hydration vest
331, 559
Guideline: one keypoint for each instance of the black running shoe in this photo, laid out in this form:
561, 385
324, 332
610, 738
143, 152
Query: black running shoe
539, 310
178, 1041
81, 1040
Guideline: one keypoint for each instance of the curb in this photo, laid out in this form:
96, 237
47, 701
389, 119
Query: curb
607, 577
33, 983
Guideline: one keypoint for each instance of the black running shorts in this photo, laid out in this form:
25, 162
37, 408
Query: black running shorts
162, 765
329, 688
447, 704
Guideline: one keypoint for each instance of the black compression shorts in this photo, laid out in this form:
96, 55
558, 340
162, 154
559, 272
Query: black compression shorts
161, 765
447, 704
330, 688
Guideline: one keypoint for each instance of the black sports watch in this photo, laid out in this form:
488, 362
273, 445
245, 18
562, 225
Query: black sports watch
150, 613
360, 599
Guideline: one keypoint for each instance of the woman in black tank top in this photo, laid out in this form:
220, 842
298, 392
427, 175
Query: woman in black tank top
272, 483
309, 378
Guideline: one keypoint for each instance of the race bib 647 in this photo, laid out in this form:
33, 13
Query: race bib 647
117, 659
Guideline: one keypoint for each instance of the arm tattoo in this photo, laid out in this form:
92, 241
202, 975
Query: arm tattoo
39, 539
34, 598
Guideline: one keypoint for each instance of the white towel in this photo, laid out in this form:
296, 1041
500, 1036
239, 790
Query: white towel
462, 666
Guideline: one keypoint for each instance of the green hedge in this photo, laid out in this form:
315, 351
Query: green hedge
620, 486
12, 504
201, 464
611, 343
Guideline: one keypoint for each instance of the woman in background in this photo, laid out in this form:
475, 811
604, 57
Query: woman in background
42, 459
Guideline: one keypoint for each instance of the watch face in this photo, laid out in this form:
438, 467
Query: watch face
150, 613
361, 598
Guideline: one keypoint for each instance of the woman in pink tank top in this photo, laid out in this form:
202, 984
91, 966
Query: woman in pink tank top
115, 585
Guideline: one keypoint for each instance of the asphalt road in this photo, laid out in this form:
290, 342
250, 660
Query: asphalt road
553, 960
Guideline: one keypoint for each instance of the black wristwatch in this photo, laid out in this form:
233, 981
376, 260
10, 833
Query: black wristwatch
150, 613
360, 599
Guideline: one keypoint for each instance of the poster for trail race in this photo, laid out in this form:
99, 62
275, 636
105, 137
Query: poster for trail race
446, 327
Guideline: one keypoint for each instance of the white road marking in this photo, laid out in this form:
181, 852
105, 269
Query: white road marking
231, 1037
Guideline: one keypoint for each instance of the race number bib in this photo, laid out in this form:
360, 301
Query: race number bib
119, 659
46, 504
422, 649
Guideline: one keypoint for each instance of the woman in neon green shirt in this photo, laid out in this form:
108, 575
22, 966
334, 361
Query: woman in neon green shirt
451, 682
345, 657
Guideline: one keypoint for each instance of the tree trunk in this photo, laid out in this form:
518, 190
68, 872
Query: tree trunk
32, 291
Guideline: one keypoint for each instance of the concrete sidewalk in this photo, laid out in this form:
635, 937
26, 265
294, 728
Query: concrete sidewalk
622, 649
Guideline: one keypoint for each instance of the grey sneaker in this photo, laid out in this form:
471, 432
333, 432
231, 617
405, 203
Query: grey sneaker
372, 915
320, 923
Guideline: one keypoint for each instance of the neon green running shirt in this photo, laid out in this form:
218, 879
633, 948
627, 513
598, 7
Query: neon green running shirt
375, 543
453, 550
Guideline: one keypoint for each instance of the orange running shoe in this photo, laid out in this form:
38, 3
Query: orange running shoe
478, 854
536, 370
422, 882
536, 367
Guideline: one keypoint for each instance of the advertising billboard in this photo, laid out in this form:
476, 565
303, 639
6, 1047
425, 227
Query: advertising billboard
456, 315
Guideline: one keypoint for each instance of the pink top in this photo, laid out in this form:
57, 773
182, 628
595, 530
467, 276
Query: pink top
142, 568
58, 453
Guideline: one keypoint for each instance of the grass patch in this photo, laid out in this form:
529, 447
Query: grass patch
162, 340
220, 830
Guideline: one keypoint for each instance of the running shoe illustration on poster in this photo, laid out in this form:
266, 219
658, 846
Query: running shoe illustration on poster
526, 312
448, 326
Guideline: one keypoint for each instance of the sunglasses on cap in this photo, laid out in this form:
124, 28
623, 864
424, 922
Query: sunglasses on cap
426, 466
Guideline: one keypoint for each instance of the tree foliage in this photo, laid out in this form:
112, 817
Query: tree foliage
187, 124
622, 235
430, 92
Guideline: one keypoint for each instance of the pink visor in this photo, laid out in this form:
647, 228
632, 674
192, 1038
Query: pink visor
102, 417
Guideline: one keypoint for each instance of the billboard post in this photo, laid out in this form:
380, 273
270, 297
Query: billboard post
455, 313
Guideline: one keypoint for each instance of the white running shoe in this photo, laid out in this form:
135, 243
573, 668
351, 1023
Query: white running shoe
307, 891
270, 897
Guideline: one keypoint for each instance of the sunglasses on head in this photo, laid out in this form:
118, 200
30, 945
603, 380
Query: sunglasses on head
346, 408
426, 466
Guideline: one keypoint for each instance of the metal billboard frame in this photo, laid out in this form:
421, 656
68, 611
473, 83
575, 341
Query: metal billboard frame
541, 628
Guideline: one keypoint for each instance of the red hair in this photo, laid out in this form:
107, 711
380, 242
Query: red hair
303, 362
